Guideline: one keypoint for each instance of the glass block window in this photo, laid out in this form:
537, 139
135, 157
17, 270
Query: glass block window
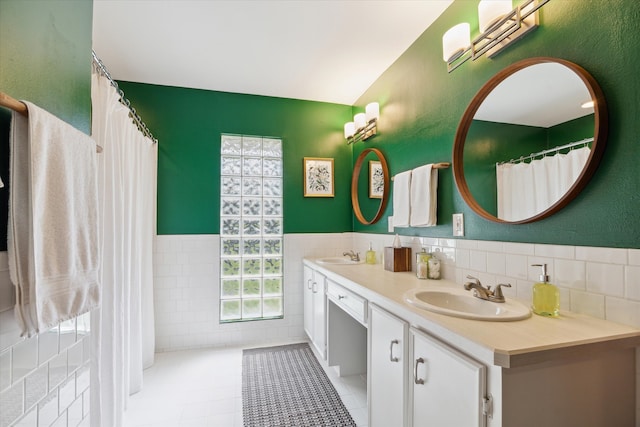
251, 262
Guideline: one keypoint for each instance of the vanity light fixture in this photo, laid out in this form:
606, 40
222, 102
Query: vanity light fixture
500, 24
364, 125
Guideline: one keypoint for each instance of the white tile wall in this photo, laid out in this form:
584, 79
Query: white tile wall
39, 375
186, 293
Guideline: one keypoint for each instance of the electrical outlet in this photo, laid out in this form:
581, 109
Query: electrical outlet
390, 224
458, 224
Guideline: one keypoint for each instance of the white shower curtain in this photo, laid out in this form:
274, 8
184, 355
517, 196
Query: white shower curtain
123, 328
527, 189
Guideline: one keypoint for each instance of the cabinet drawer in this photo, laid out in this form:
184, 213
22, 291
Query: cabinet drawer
353, 304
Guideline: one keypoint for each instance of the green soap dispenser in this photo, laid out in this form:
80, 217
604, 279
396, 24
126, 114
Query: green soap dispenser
546, 297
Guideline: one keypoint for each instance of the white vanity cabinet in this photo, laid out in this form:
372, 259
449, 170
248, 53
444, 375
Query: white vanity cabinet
315, 320
388, 369
426, 369
447, 388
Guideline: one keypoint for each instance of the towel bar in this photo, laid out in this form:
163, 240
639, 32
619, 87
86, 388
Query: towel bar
441, 165
19, 107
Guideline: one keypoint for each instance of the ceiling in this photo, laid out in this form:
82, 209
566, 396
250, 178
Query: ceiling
320, 50
542, 95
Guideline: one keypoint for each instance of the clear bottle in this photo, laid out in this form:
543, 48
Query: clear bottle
546, 297
434, 267
422, 264
370, 257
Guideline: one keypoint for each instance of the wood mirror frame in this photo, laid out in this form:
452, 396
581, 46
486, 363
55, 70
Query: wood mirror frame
597, 147
354, 186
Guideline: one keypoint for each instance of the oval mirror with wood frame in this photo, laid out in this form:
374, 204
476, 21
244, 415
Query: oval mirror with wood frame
530, 140
377, 174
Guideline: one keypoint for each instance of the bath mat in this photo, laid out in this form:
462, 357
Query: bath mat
285, 386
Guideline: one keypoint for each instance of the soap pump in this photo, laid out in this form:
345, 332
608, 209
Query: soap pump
546, 297
371, 255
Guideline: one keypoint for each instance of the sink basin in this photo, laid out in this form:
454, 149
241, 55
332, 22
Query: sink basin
341, 260
465, 305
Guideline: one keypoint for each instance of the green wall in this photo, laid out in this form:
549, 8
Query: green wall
188, 124
421, 106
45, 58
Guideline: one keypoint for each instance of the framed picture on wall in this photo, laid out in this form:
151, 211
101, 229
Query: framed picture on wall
318, 177
376, 180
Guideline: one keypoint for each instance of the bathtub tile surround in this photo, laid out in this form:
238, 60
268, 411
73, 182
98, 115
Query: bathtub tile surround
44, 379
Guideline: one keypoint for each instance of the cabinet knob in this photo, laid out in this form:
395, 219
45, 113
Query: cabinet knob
391, 357
417, 380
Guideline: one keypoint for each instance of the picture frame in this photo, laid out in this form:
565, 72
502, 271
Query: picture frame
376, 180
318, 177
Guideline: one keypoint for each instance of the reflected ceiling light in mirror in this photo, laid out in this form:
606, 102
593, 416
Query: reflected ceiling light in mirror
499, 24
587, 105
364, 125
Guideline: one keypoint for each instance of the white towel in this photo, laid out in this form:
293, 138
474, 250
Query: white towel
401, 199
424, 196
53, 229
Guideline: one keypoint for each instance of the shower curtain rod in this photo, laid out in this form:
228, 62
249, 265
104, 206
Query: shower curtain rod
102, 69
550, 150
21, 108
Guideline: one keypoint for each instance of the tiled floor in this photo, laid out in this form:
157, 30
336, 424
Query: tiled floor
203, 388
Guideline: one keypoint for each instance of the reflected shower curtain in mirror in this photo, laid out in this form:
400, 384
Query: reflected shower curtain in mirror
527, 189
122, 329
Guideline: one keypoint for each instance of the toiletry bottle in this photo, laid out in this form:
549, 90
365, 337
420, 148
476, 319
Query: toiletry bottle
371, 255
546, 297
422, 266
434, 267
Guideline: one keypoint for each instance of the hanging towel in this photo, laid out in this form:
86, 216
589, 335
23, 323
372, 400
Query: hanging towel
401, 199
424, 196
53, 229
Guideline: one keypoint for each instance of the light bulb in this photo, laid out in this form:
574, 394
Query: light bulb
372, 111
360, 120
349, 129
455, 41
491, 11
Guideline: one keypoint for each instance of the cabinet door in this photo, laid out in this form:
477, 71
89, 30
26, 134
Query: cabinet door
448, 386
307, 291
319, 313
388, 348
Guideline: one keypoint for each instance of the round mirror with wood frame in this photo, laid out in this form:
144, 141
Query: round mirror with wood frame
354, 186
471, 115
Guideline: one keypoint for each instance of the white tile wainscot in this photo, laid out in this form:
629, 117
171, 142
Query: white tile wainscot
187, 292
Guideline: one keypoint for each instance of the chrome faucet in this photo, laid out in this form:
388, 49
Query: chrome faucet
487, 294
352, 255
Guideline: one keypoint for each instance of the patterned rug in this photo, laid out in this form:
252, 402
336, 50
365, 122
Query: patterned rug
285, 386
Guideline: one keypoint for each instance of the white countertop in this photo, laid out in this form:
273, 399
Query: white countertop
506, 344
